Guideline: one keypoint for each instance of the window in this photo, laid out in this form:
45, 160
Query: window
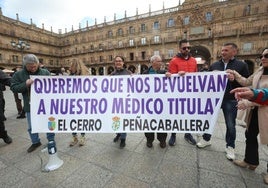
131, 30
120, 32
51, 62
185, 34
143, 55
120, 44
247, 47
170, 53
186, 20
1, 57
131, 56
208, 16
247, 10
101, 59
143, 28
15, 58
91, 47
156, 52
110, 45
110, 34
131, 42
100, 47
156, 25
143, 41
92, 59
110, 57
170, 22
156, 39
209, 32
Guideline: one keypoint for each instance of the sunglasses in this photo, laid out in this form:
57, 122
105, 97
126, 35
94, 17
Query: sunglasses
187, 47
265, 56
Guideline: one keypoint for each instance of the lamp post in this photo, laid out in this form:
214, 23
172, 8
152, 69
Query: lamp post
21, 45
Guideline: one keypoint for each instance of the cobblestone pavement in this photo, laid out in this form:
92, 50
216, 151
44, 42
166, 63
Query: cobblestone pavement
101, 163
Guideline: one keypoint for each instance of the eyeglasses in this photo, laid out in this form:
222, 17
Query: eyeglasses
187, 47
118, 61
265, 56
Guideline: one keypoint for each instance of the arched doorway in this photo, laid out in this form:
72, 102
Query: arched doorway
144, 68
93, 71
110, 70
101, 71
132, 68
202, 55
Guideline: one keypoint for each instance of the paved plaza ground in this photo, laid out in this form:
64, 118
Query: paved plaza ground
102, 164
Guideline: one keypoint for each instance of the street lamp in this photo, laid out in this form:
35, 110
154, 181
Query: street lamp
20, 45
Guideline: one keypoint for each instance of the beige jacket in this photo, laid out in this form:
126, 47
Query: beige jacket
257, 80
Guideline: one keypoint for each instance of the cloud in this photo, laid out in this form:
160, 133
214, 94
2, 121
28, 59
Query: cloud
61, 14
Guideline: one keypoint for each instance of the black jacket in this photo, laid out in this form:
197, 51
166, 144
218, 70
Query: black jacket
4, 81
234, 64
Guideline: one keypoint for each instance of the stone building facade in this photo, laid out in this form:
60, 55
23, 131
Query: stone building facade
208, 24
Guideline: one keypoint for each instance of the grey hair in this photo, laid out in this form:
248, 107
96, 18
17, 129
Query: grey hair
29, 59
154, 57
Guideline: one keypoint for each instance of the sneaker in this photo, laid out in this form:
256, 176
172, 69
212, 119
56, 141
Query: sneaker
117, 137
149, 144
33, 147
172, 140
163, 144
82, 141
265, 178
189, 138
7, 139
74, 141
122, 143
230, 153
203, 143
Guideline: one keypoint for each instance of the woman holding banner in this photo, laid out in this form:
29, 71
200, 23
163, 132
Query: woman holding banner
120, 69
258, 116
77, 68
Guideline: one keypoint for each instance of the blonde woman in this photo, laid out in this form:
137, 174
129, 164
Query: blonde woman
77, 68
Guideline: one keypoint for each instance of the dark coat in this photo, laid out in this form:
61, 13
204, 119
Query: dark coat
18, 84
234, 64
4, 81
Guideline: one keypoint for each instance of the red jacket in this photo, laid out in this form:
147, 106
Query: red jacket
178, 63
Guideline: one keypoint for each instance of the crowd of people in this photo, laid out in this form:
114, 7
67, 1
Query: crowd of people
253, 97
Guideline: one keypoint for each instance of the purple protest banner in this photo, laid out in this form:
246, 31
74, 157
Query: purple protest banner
136, 103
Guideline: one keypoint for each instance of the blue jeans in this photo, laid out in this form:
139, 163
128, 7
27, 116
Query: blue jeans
122, 135
229, 111
35, 136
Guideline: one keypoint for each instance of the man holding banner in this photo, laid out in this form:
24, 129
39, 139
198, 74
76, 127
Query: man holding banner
21, 83
183, 62
228, 61
155, 68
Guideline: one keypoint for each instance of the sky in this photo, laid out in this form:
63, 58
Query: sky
65, 14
